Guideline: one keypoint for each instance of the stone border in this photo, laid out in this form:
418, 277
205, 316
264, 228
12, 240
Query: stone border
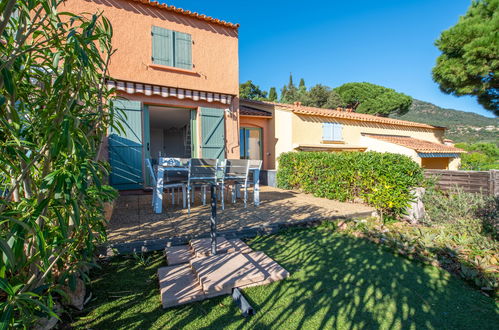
248, 232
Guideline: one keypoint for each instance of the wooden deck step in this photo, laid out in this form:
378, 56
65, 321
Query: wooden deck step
272, 270
221, 273
202, 246
176, 255
178, 285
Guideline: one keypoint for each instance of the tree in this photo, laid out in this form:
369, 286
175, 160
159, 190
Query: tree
289, 93
318, 96
250, 91
55, 111
333, 101
272, 94
373, 99
302, 93
469, 63
480, 157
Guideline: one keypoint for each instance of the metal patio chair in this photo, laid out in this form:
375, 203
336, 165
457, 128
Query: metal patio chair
236, 174
202, 172
175, 170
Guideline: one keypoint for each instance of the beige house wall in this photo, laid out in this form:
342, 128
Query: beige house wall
214, 48
382, 146
292, 130
308, 129
285, 131
454, 164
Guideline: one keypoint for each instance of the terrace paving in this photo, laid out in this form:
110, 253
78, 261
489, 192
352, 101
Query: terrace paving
132, 218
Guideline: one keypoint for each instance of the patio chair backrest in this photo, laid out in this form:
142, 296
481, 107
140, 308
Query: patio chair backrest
151, 171
255, 164
237, 168
202, 169
173, 162
173, 176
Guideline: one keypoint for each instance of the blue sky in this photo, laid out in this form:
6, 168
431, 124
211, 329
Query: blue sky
386, 42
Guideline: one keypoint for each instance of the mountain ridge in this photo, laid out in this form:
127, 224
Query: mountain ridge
461, 126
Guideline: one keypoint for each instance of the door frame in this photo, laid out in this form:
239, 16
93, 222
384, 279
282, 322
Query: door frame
146, 132
242, 144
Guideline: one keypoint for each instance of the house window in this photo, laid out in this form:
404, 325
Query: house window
332, 132
251, 143
171, 48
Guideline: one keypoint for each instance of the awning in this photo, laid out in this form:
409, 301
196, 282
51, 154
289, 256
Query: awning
163, 91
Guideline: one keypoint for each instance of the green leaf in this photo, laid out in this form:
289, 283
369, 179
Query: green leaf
7, 80
7, 252
6, 317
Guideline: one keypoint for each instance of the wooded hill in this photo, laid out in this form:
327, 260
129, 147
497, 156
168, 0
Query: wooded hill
461, 126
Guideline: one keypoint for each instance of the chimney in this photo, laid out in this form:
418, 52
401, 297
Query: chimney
297, 103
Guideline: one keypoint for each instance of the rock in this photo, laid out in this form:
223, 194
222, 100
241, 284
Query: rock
75, 298
416, 211
342, 225
46, 323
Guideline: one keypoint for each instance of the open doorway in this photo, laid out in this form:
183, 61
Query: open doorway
170, 132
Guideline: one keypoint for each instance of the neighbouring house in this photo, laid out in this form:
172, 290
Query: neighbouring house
176, 75
269, 129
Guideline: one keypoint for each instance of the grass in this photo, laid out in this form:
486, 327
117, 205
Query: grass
337, 281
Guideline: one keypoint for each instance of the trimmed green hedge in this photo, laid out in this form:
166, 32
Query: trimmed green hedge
382, 180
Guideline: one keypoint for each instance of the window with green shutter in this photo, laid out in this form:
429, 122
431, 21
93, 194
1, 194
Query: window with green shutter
171, 48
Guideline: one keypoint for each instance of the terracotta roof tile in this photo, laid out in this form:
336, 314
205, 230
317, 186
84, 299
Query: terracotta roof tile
187, 13
249, 111
421, 146
312, 111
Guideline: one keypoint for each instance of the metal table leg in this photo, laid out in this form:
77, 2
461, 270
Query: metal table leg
213, 220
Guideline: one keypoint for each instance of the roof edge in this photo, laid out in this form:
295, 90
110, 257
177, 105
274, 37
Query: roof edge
185, 12
299, 109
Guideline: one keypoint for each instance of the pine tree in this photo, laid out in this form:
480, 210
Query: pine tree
284, 93
302, 93
289, 92
272, 94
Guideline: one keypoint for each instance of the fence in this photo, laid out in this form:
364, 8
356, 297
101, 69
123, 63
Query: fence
485, 182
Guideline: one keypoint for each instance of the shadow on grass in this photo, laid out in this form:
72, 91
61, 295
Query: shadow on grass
336, 282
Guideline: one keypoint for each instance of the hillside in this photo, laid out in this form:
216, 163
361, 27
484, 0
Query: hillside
461, 126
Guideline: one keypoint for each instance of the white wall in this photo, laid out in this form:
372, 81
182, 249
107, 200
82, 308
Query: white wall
383, 146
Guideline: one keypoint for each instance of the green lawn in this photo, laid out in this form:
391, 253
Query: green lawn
336, 282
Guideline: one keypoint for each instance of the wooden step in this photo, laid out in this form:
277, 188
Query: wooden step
178, 285
222, 272
272, 270
202, 247
176, 255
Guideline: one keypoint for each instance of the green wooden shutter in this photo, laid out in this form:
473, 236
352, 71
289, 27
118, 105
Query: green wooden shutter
212, 133
162, 46
183, 50
125, 147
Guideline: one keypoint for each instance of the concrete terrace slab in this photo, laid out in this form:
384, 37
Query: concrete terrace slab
178, 285
132, 218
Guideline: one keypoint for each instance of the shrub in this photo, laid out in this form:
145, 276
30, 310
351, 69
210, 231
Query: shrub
53, 117
489, 214
382, 180
451, 206
459, 247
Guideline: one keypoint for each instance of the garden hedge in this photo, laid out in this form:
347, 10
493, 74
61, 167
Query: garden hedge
382, 180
